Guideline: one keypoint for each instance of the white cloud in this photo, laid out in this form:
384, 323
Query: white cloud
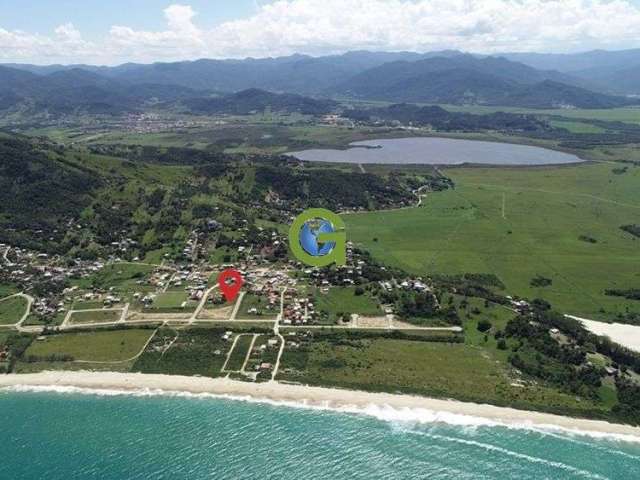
66, 43
330, 26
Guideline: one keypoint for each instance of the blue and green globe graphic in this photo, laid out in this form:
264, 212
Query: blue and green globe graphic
309, 237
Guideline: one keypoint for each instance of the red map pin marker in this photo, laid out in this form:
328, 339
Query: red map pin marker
230, 282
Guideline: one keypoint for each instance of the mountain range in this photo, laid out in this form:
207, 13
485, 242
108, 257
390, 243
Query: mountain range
589, 80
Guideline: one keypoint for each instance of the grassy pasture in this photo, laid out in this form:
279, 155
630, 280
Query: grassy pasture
623, 114
12, 309
519, 223
95, 316
259, 302
344, 299
105, 346
172, 301
123, 277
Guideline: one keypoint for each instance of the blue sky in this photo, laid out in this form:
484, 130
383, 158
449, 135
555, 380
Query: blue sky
95, 17
117, 31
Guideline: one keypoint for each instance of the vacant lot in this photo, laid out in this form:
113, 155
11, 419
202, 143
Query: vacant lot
109, 346
123, 277
239, 353
95, 316
261, 304
172, 301
12, 309
344, 300
519, 223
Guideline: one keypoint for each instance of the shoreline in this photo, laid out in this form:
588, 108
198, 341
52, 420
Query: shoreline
386, 406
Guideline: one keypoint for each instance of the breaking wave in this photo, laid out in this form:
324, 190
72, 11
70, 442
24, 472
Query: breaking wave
397, 416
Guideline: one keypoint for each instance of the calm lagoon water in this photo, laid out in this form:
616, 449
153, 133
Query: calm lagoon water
438, 151
66, 436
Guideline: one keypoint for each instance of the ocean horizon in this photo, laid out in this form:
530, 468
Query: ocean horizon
71, 433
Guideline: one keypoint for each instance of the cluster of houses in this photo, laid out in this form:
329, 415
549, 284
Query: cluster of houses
297, 310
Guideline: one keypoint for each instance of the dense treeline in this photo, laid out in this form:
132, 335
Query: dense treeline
328, 188
630, 294
164, 155
39, 190
565, 365
256, 100
444, 120
632, 229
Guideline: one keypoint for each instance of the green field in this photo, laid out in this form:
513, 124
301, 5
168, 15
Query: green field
95, 316
123, 277
172, 301
260, 303
7, 289
519, 223
577, 127
12, 309
109, 346
344, 300
624, 114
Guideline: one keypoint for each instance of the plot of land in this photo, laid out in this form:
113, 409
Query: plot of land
108, 346
255, 306
199, 351
95, 316
123, 277
344, 300
239, 353
12, 309
7, 289
548, 212
172, 302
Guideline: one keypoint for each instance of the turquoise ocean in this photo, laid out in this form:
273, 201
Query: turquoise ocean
69, 434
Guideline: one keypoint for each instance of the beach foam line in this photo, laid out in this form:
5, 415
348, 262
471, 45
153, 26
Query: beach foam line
383, 412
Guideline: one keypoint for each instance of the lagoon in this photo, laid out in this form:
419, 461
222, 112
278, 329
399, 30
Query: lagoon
438, 151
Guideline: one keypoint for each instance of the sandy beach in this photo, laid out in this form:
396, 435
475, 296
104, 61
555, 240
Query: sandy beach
384, 405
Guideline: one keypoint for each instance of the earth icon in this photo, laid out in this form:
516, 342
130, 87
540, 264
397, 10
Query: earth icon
309, 237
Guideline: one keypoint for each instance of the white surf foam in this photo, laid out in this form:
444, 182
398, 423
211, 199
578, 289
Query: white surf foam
385, 413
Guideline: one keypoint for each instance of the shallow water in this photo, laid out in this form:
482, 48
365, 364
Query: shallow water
439, 151
85, 436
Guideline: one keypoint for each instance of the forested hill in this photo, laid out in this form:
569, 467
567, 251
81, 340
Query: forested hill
444, 120
437, 77
39, 184
467, 79
256, 100
85, 203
